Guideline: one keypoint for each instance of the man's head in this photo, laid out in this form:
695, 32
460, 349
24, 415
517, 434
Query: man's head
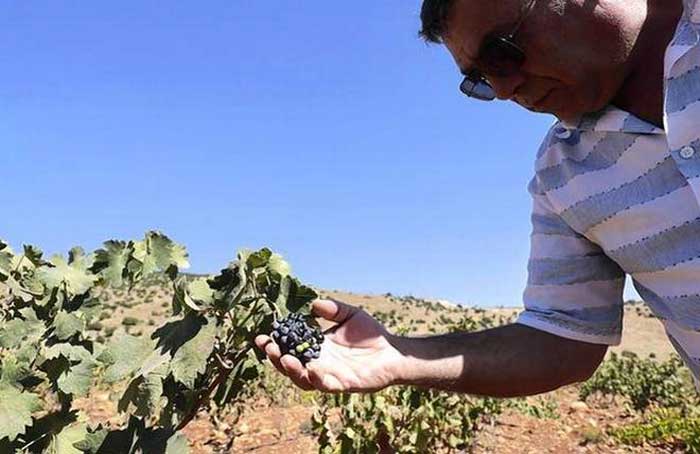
577, 51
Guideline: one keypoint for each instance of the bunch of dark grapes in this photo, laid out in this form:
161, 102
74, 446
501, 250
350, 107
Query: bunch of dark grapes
296, 337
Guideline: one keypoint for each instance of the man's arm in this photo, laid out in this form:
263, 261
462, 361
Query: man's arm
360, 355
512, 360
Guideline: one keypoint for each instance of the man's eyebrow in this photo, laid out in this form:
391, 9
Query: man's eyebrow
495, 31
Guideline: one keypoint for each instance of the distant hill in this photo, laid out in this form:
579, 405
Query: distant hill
147, 305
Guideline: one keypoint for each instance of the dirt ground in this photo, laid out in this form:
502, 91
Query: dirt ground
580, 428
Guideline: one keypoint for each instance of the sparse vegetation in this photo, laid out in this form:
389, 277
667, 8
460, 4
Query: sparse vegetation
130, 321
642, 382
669, 429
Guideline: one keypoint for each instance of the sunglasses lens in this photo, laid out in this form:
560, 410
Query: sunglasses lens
500, 57
477, 88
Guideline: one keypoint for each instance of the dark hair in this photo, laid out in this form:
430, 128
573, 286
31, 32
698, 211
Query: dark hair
433, 16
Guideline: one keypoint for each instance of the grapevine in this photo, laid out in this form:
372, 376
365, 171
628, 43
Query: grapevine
201, 355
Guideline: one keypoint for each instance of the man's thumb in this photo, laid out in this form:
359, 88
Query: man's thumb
333, 310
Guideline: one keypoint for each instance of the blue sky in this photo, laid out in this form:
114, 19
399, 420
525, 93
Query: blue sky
325, 130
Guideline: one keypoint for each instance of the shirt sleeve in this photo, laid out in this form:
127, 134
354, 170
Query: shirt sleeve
573, 289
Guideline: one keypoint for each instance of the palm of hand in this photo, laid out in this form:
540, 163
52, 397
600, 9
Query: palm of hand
356, 356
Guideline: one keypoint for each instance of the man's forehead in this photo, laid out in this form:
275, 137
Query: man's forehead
470, 21
466, 25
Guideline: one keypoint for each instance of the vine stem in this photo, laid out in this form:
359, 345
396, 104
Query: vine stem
224, 373
35, 440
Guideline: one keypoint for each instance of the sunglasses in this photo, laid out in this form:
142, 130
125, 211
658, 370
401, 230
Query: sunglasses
498, 56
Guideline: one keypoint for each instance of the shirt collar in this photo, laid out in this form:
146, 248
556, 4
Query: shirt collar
613, 119
691, 10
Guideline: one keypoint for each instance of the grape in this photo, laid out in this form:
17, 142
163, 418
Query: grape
296, 337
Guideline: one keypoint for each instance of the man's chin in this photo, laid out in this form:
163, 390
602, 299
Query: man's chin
567, 117
564, 114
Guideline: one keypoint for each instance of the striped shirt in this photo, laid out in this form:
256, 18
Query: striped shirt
614, 195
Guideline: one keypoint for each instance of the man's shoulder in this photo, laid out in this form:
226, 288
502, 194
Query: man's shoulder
570, 149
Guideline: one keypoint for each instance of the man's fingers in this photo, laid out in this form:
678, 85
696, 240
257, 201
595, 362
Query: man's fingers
273, 353
262, 340
265, 343
335, 311
286, 364
296, 372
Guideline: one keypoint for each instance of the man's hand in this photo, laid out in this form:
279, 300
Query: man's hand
357, 354
360, 355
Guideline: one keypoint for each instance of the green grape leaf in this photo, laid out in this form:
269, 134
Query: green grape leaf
91, 308
190, 360
279, 265
163, 441
12, 371
27, 352
283, 296
185, 344
16, 289
17, 271
73, 353
229, 285
16, 332
255, 259
93, 440
124, 355
145, 393
75, 377
157, 252
67, 324
64, 441
6, 256
293, 296
28, 287
34, 255
16, 408
73, 275
104, 441
200, 292
197, 295
111, 262
45, 426
350, 433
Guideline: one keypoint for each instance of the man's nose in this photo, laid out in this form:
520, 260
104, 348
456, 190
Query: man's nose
505, 87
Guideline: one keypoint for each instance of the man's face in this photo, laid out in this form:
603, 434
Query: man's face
576, 59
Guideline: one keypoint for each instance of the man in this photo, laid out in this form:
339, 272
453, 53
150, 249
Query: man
616, 191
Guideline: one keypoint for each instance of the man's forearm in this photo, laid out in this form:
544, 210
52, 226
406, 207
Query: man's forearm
512, 360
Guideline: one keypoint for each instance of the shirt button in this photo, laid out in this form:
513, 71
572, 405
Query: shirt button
563, 134
687, 152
